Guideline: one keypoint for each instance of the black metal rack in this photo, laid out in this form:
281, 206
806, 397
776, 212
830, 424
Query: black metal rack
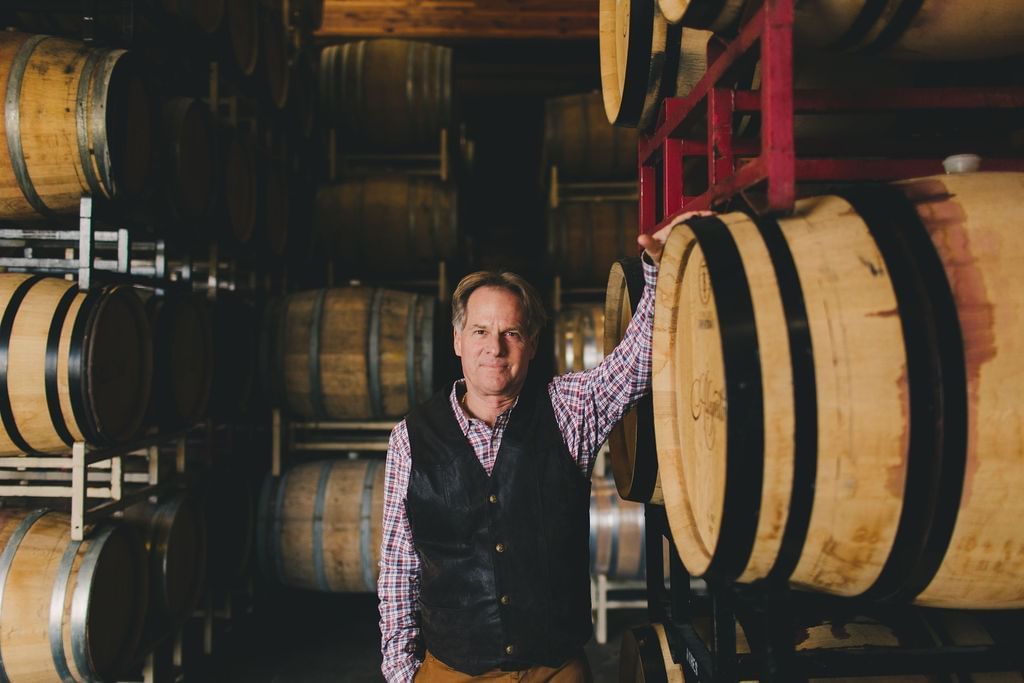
769, 614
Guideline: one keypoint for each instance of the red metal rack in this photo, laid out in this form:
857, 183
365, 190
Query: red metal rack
736, 165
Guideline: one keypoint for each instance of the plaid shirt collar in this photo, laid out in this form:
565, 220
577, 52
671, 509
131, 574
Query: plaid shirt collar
466, 422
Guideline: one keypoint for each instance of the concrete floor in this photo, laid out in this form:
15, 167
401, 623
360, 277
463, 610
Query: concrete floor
306, 637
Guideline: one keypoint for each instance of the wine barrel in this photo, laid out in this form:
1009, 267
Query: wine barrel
206, 15
640, 54
242, 35
579, 338
239, 199
73, 366
320, 526
579, 140
645, 657
387, 95
174, 534
188, 160
416, 217
182, 359
926, 30
617, 541
72, 610
273, 58
634, 460
234, 335
77, 122
272, 230
866, 366
351, 353
585, 238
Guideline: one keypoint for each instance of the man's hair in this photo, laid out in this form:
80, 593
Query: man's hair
533, 308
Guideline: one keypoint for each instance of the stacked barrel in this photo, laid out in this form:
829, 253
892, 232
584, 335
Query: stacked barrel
357, 358
832, 395
193, 149
391, 209
591, 218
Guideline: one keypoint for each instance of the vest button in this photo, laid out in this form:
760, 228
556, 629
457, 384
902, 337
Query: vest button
509, 649
493, 498
505, 599
500, 547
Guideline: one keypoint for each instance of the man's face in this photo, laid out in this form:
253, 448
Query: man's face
493, 345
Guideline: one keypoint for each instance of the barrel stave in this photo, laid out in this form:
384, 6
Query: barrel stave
344, 359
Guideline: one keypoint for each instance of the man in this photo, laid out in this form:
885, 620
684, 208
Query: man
484, 559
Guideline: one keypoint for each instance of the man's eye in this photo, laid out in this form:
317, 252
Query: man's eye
512, 333
479, 333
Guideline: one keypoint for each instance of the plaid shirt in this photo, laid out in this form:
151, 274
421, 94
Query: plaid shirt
586, 404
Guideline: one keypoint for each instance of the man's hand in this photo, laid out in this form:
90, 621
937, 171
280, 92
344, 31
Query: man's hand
655, 244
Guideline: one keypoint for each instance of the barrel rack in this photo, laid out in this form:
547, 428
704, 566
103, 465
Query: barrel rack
562, 192
98, 481
774, 164
421, 164
766, 612
776, 161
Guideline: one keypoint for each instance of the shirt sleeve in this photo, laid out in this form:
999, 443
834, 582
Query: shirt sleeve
398, 584
588, 404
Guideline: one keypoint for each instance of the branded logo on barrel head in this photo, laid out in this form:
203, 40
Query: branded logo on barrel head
704, 283
707, 405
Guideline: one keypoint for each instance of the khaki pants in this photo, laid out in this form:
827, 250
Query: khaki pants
576, 670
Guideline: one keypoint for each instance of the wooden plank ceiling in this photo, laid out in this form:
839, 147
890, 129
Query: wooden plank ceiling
462, 19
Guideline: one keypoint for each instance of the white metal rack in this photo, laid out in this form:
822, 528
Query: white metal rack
69, 476
83, 252
338, 437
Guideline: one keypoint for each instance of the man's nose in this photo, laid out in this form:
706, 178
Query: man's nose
496, 344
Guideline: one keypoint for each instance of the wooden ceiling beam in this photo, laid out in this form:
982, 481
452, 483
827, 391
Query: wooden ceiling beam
461, 19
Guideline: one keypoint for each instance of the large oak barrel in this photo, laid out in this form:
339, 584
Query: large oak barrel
928, 29
174, 534
617, 543
585, 238
76, 122
320, 525
835, 392
242, 29
73, 366
387, 95
633, 457
579, 140
188, 161
351, 353
416, 217
645, 657
579, 337
644, 60
72, 610
182, 359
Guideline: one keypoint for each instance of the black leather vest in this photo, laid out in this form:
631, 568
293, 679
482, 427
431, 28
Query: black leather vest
505, 559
